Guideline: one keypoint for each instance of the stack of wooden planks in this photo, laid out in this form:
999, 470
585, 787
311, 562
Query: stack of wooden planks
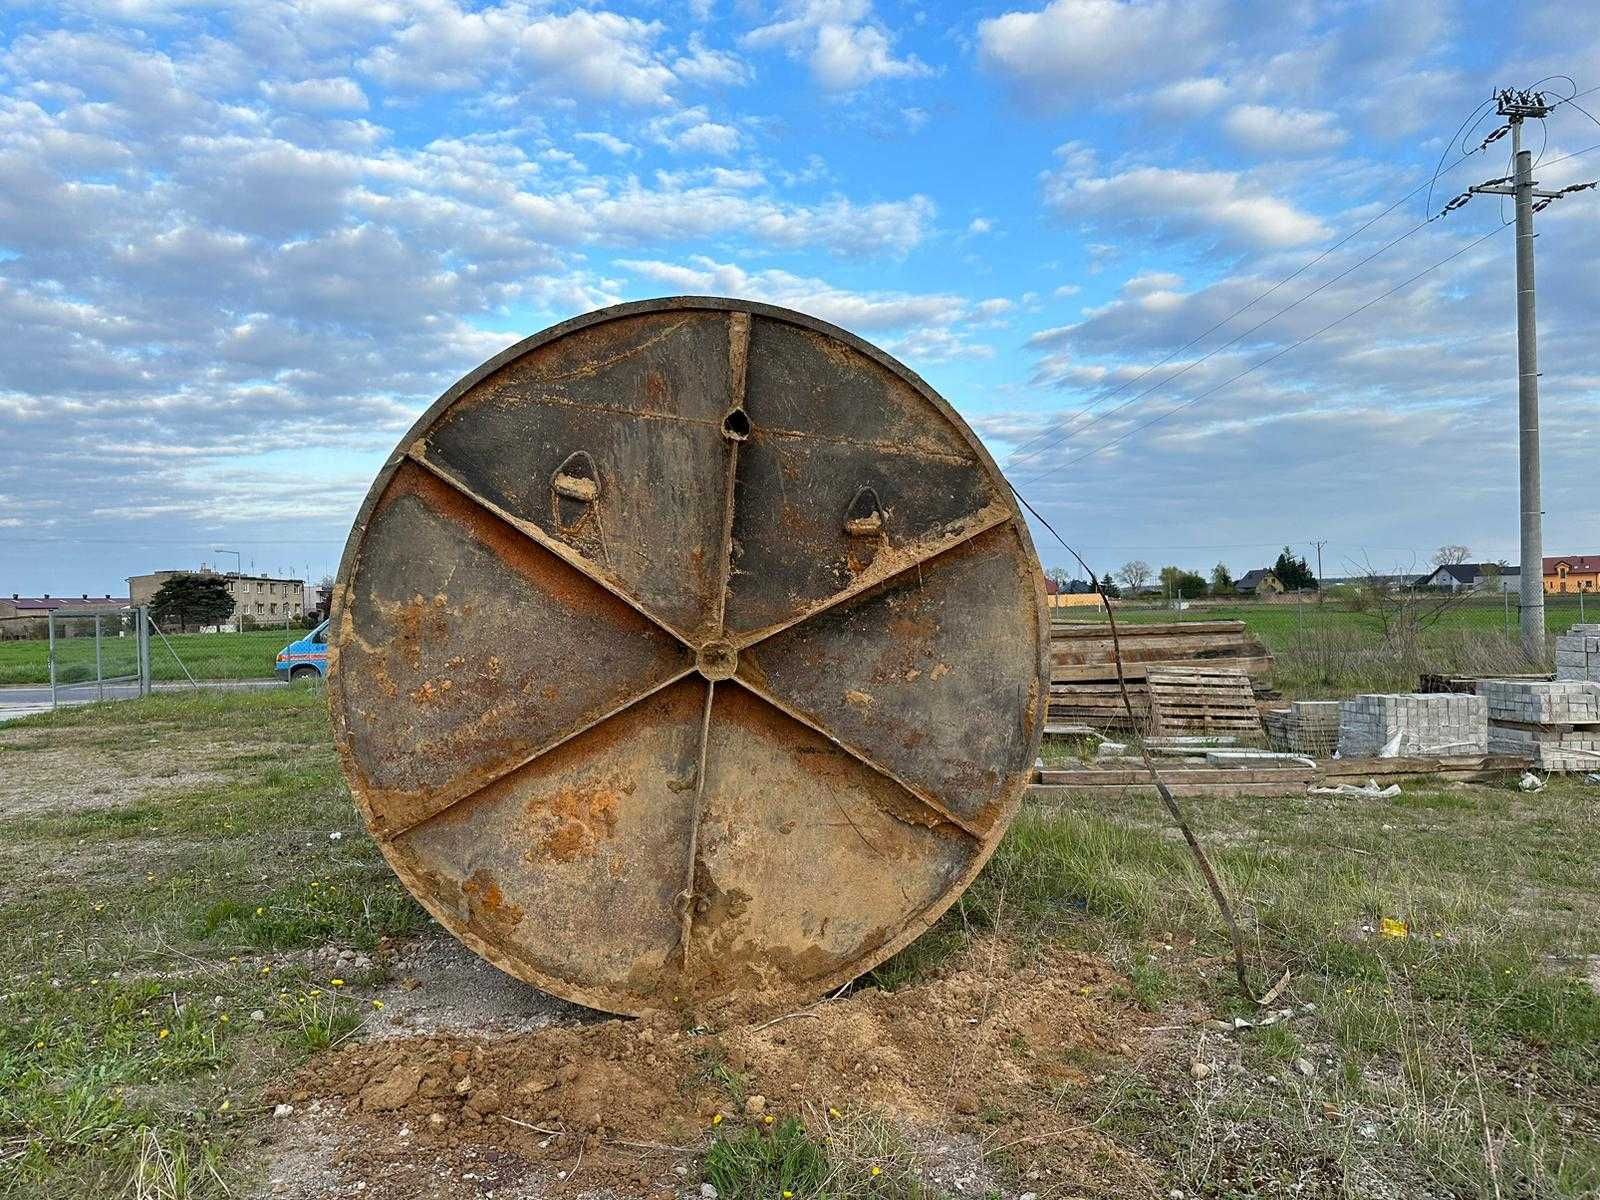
1201, 700
1083, 680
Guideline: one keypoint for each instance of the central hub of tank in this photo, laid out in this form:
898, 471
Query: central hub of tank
717, 659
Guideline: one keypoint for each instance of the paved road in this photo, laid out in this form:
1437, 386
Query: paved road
28, 699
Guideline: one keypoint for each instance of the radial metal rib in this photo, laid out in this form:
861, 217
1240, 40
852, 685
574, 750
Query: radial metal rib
922, 798
533, 533
389, 833
893, 566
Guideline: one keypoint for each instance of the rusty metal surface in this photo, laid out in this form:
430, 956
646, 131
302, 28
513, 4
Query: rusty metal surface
690, 648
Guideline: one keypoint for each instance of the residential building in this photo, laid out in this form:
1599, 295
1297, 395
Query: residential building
257, 599
26, 616
1258, 582
1572, 573
1472, 577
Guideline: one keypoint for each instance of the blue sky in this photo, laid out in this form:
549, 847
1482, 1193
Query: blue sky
242, 246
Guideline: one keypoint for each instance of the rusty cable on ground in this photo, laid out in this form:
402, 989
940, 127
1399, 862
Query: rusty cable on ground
1167, 798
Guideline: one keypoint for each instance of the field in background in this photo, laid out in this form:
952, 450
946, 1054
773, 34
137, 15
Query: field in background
1328, 651
247, 655
166, 868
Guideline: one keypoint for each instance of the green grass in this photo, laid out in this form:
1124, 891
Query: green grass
1475, 1029
847, 1157
1328, 650
248, 655
136, 941
1475, 1025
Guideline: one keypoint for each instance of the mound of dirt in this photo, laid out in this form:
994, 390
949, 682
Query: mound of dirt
988, 1051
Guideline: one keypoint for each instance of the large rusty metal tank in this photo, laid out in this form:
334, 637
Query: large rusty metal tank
692, 648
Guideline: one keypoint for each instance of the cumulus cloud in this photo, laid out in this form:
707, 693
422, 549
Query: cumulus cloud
711, 68
339, 94
1072, 48
928, 326
1291, 132
585, 54
1219, 207
844, 45
207, 263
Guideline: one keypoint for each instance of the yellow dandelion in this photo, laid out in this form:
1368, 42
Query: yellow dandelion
875, 1172
261, 912
266, 970
788, 1195
377, 1004
163, 1034
1393, 928
767, 1120
834, 1112
99, 908
336, 982
225, 1106
717, 1120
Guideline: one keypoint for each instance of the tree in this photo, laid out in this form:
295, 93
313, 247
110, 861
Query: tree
1058, 577
1135, 575
1293, 572
1221, 580
1490, 573
1180, 584
186, 598
1109, 588
1450, 555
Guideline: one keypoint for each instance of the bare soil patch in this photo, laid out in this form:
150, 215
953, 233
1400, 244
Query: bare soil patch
982, 1063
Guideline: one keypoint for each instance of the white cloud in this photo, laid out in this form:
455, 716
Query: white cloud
930, 326
1216, 206
1263, 129
840, 40
1189, 97
339, 94
581, 54
607, 141
980, 225
711, 68
1073, 48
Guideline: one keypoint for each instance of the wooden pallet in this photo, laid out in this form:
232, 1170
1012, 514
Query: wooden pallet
1201, 700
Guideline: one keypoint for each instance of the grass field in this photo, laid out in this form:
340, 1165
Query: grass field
163, 863
246, 655
1328, 651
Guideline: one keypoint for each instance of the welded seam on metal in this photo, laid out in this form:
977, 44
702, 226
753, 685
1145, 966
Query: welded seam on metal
866, 581
544, 541
687, 897
389, 835
738, 370
922, 798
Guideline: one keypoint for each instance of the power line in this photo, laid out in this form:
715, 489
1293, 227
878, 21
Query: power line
1190, 403
1013, 458
1068, 435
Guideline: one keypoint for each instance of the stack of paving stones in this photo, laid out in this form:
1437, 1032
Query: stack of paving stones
1556, 724
1305, 727
1408, 725
1578, 653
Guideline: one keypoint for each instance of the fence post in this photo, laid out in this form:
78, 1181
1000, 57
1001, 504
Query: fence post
99, 670
142, 648
50, 625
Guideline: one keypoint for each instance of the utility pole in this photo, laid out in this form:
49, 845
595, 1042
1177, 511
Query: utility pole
1319, 543
1516, 107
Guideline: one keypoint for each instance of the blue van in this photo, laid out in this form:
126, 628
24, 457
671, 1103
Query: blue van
305, 659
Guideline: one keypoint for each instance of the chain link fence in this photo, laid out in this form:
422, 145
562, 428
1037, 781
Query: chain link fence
81, 656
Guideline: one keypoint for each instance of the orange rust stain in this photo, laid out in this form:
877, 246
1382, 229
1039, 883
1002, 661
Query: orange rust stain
571, 823
487, 903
